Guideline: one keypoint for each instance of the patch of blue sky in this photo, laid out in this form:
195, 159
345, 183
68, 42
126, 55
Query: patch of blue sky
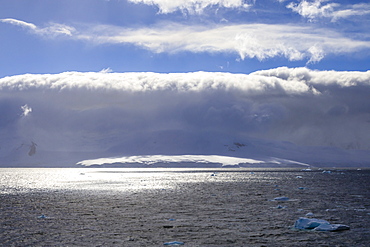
122, 34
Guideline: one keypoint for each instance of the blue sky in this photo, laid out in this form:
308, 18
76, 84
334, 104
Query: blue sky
139, 77
177, 36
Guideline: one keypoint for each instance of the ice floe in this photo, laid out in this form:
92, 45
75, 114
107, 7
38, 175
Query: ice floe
281, 199
326, 171
174, 243
318, 225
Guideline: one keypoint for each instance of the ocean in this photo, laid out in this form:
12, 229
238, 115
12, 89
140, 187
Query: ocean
17, 180
196, 207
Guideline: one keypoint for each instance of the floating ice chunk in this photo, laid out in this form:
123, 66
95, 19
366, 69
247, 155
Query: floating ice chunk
280, 207
318, 225
301, 188
42, 216
306, 170
298, 177
326, 171
281, 198
328, 210
171, 219
331, 227
174, 243
129, 238
309, 214
305, 223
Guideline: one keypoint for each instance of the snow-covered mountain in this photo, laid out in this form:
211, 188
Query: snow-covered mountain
182, 149
319, 118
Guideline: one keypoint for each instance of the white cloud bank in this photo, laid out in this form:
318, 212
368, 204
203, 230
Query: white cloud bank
193, 6
283, 80
148, 82
200, 113
327, 9
261, 41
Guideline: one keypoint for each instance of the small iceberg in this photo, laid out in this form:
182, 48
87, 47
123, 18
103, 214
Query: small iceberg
281, 199
174, 243
318, 225
306, 170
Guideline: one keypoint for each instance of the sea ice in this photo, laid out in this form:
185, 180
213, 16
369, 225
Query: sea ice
318, 225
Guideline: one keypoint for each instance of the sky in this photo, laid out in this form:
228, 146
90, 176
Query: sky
235, 36
140, 77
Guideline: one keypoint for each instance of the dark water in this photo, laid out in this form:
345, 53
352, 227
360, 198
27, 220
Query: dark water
224, 207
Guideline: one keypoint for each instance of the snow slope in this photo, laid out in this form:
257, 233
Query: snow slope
187, 150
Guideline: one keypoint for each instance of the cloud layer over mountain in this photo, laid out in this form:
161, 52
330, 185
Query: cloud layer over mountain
183, 113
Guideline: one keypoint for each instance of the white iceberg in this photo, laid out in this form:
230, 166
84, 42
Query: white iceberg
318, 225
174, 243
281, 198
